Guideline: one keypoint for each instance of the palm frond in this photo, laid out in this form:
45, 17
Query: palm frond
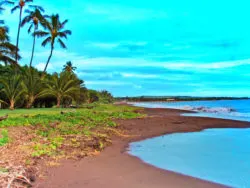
30, 28
26, 20
63, 23
5, 2
36, 7
15, 8
61, 43
41, 33
46, 41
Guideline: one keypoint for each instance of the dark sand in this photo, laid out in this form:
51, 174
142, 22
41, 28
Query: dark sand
114, 168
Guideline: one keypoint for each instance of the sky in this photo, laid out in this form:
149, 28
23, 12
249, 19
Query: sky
151, 47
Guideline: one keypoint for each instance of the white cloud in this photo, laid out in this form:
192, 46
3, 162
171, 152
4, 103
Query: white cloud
137, 75
86, 63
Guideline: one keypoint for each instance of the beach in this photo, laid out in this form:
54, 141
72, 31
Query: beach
115, 168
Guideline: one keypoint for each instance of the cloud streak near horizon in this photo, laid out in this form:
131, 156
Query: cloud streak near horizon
152, 47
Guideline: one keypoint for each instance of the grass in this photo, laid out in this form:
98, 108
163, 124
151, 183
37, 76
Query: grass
100, 115
4, 138
54, 131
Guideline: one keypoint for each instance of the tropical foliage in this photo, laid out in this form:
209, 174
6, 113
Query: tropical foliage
63, 86
69, 67
34, 19
30, 89
25, 86
7, 50
47, 127
12, 89
20, 5
54, 34
33, 86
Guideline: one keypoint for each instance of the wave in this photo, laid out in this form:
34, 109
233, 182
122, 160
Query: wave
209, 110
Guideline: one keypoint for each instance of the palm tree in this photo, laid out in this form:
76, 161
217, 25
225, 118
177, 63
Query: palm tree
93, 96
106, 96
69, 67
55, 31
34, 18
12, 88
32, 86
63, 86
21, 4
7, 50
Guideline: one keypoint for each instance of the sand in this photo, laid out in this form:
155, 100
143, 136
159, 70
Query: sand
114, 168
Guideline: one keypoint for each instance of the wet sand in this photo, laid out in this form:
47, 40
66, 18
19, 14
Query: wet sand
114, 168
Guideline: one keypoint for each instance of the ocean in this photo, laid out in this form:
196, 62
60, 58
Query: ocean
217, 155
225, 109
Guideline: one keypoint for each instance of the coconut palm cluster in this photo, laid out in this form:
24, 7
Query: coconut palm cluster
25, 86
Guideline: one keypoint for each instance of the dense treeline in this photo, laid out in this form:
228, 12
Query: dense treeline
25, 86
174, 98
32, 88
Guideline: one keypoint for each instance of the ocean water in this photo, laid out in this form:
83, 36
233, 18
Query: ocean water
216, 155
226, 109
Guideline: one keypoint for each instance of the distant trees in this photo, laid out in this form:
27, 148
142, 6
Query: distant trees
103, 96
106, 97
93, 96
69, 67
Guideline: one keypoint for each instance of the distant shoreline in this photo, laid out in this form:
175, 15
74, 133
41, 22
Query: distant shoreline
175, 99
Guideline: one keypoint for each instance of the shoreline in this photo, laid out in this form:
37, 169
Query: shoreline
114, 167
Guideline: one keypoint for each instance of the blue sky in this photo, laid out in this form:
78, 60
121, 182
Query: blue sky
152, 47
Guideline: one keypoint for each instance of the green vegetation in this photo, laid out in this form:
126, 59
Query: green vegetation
33, 89
46, 115
54, 129
25, 86
56, 31
4, 137
100, 115
51, 134
35, 18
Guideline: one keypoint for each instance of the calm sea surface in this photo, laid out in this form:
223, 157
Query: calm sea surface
217, 155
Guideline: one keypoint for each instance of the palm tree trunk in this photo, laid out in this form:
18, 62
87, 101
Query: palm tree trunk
30, 102
18, 33
33, 48
51, 52
58, 102
12, 104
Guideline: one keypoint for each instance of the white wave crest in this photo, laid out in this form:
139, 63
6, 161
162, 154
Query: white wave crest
209, 110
